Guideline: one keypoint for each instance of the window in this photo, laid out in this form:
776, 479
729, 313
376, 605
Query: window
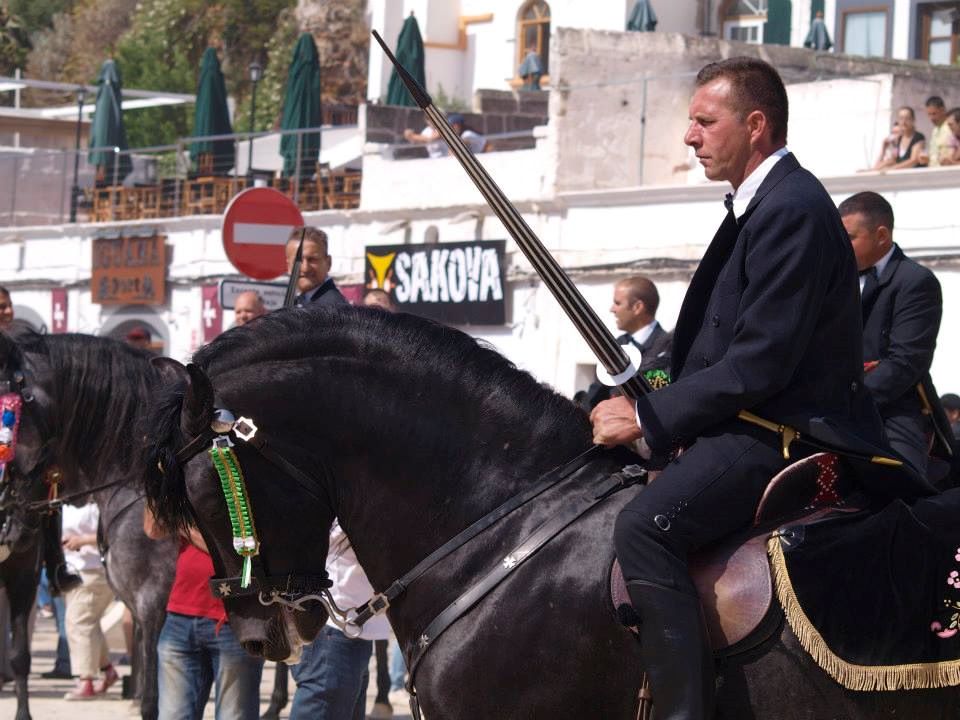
744, 21
533, 32
745, 31
865, 32
940, 33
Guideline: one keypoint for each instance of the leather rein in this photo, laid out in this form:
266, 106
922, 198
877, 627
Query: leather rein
351, 621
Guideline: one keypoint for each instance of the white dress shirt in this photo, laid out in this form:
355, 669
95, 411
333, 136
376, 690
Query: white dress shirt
748, 188
644, 333
880, 265
350, 585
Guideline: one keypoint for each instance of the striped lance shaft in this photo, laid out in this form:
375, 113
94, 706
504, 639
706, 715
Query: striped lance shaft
593, 331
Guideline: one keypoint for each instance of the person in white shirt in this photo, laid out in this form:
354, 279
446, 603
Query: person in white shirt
437, 147
332, 674
86, 604
635, 303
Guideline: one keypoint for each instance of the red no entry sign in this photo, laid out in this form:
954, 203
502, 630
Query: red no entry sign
256, 226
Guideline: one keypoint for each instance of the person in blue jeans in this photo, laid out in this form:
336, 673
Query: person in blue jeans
197, 649
332, 674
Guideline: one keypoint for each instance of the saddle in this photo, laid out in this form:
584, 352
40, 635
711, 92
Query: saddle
733, 579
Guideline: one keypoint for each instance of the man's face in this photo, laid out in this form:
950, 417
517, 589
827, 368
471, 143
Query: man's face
720, 137
628, 313
954, 125
315, 265
247, 307
936, 115
6, 311
869, 244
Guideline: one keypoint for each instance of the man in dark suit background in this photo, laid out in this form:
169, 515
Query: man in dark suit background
635, 303
770, 324
314, 286
902, 305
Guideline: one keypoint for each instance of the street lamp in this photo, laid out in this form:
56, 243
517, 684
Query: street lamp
75, 191
256, 72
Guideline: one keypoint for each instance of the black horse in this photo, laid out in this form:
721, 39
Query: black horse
411, 431
86, 395
21, 537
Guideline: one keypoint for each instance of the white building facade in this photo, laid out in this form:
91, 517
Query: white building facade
603, 195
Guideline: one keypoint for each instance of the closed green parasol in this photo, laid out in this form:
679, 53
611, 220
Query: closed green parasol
410, 55
106, 130
642, 17
211, 117
301, 109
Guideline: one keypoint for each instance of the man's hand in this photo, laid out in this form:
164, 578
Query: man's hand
75, 542
615, 422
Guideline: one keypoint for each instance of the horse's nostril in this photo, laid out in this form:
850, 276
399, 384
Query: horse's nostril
253, 647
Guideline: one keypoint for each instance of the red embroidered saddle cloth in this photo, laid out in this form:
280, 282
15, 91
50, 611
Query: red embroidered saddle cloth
733, 579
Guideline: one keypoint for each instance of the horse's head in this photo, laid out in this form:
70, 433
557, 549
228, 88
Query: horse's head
21, 447
184, 488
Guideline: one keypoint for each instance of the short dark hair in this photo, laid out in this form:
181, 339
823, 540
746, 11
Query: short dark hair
4, 291
311, 233
909, 109
954, 113
756, 85
950, 401
934, 101
872, 206
642, 288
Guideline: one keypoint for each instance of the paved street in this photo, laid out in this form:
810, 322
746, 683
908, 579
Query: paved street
46, 696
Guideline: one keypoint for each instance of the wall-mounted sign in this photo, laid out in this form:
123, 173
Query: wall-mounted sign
211, 316
129, 270
457, 283
58, 310
272, 294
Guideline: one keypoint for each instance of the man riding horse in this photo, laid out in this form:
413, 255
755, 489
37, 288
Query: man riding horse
770, 324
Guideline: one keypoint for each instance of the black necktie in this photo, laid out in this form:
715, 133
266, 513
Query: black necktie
728, 202
870, 286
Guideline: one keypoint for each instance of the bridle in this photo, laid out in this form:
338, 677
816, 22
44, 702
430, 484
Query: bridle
291, 591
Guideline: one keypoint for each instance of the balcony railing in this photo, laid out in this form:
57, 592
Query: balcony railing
36, 187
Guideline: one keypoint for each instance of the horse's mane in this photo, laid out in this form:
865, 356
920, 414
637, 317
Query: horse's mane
98, 388
446, 355
435, 356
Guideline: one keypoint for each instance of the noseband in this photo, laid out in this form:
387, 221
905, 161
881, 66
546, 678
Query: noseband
291, 591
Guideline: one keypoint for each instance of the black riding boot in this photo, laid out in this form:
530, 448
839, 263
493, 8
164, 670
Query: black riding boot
675, 651
59, 576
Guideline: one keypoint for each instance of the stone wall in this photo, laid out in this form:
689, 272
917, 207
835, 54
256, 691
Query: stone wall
339, 28
494, 112
600, 119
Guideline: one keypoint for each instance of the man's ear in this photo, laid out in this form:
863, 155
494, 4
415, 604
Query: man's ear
884, 236
757, 125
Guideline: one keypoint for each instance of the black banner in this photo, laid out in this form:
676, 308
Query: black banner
458, 283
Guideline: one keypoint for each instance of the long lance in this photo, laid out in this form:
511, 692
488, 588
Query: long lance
291, 293
604, 346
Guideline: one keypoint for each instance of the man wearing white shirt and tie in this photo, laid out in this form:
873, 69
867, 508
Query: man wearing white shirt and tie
635, 303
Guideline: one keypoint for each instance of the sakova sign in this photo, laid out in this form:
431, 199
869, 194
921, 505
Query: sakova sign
459, 283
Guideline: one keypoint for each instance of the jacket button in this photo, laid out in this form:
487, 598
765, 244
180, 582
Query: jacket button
715, 320
854, 386
706, 361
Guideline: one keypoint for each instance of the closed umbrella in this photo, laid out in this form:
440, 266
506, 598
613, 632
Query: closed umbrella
106, 130
301, 109
211, 117
642, 17
409, 53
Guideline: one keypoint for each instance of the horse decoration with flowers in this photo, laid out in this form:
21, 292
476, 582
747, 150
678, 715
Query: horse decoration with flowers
436, 454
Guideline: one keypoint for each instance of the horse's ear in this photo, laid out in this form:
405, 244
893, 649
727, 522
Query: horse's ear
198, 400
10, 356
171, 372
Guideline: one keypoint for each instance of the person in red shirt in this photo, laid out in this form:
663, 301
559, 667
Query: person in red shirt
197, 648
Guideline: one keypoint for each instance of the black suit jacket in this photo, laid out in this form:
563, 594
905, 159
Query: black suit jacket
655, 351
771, 324
901, 321
324, 294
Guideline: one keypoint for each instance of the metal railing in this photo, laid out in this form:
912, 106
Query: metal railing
38, 186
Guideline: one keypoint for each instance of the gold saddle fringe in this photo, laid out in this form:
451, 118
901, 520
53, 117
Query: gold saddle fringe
865, 678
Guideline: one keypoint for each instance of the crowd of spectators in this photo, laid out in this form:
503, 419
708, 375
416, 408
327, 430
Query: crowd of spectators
906, 147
